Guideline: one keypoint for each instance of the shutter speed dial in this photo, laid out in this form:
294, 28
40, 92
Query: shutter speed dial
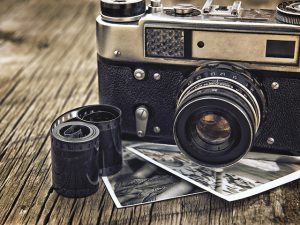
183, 9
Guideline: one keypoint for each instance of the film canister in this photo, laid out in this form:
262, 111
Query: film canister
74, 152
107, 119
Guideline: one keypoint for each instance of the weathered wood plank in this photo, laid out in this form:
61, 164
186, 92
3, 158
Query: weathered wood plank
48, 66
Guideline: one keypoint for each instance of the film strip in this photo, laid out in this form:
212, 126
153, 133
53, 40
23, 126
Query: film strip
86, 144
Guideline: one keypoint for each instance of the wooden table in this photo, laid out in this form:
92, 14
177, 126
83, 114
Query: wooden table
48, 66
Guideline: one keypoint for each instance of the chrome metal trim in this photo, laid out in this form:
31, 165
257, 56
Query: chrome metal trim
141, 120
236, 46
257, 122
236, 7
155, 3
121, 19
233, 81
207, 6
132, 34
214, 10
183, 9
155, 6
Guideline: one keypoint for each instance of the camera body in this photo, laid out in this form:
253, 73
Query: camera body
217, 81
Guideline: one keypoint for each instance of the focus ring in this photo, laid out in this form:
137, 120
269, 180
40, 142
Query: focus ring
222, 93
219, 83
234, 74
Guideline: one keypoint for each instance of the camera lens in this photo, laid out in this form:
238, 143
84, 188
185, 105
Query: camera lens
213, 129
219, 110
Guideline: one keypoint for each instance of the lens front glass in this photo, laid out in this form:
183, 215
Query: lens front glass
213, 129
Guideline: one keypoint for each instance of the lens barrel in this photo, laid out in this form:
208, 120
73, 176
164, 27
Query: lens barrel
219, 110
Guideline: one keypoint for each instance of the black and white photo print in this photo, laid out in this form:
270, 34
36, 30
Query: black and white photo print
141, 182
255, 173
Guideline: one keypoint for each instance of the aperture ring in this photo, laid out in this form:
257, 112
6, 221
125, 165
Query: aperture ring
230, 71
195, 92
251, 97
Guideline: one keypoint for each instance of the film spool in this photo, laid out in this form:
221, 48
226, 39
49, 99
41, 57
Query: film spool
74, 152
107, 119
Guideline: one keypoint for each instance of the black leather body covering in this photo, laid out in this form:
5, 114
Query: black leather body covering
117, 86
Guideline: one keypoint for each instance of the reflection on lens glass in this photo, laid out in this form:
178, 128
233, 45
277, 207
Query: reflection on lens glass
213, 129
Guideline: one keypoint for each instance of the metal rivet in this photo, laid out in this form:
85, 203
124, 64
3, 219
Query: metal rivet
270, 141
156, 76
139, 74
117, 53
275, 85
156, 129
140, 133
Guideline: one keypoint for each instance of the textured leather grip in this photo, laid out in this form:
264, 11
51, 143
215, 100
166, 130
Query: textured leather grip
119, 87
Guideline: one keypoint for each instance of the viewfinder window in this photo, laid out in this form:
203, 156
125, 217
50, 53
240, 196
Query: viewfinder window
280, 49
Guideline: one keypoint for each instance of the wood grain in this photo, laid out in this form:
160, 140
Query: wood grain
48, 66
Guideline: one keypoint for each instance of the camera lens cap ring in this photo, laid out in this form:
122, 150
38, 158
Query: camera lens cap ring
122, 10
74, 155
289, 12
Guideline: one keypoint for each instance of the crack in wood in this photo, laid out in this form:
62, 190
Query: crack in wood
11, 36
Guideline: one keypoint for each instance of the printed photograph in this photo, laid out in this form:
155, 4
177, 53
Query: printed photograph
252, 175
141, 182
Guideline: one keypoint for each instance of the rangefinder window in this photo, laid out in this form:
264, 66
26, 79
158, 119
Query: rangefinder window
280, 49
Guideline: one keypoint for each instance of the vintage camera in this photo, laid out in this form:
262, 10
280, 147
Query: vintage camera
217, 81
